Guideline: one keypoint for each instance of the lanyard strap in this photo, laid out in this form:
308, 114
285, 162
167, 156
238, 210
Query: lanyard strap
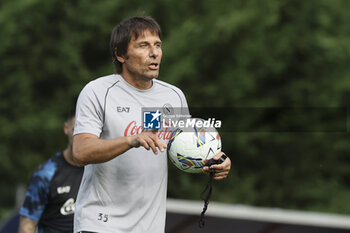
209, 189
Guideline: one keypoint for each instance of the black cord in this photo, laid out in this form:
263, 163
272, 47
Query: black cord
208, 188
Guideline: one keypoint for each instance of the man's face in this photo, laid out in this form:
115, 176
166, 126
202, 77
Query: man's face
143, 57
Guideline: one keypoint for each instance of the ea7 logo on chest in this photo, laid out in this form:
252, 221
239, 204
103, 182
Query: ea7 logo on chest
123, 109
64, 189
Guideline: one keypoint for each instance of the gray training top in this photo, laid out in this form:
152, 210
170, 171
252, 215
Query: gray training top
127, 193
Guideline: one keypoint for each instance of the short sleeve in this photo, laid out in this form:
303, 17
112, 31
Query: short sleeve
38, 191
89, 112
184, 108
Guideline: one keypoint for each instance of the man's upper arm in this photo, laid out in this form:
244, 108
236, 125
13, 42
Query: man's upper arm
80, 139
81, 144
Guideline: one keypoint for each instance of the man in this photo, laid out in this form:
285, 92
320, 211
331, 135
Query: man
50, 198
125, 181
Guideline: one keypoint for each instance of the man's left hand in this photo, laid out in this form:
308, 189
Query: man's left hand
221, 170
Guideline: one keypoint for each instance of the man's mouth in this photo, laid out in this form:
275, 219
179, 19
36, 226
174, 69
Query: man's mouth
153, 66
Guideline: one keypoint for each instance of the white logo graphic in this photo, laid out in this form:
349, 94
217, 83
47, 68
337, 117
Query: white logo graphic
156, 116
68, 207
64, 189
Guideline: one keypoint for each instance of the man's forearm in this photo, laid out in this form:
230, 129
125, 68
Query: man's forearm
88, 149
27, 225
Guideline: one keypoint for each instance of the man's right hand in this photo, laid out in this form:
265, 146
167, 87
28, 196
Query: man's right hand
148, 140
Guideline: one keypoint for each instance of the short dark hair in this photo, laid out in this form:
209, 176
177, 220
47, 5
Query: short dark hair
123, 32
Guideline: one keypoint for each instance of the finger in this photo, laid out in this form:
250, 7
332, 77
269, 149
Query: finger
226, 165
221, 173
217, 175
152, 145
143, 143
220, 177
218, 155
162, 146
206, 170
218, 167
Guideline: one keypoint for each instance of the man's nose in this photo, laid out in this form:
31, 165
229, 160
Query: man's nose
155, 51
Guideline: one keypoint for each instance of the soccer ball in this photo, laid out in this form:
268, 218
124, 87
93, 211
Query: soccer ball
189, 149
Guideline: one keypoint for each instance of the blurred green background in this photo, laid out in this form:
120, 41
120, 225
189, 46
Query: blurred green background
229, 53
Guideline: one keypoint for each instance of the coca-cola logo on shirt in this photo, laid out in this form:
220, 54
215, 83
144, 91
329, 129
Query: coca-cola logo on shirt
68, 207
133, 129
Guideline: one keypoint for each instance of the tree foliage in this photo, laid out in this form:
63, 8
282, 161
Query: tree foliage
226, 54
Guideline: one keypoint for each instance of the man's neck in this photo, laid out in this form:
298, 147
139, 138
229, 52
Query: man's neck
139, 83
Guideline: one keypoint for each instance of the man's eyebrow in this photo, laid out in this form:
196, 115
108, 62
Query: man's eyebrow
141, 41
148, 42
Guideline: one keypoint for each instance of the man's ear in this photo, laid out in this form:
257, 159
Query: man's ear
119, 58
65, 128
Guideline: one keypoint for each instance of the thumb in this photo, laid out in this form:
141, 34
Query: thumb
218, 156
